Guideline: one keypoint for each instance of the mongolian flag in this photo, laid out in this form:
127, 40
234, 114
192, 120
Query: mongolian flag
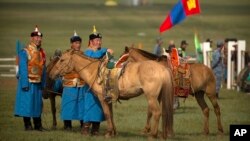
180, 11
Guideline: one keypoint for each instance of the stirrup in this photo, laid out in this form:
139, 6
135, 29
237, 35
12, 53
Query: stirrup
108, 98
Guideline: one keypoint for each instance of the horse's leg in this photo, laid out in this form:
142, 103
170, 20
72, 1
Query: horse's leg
216, 106
156, 113
108, 116
148, 126
112, 117
202, 103
53, 109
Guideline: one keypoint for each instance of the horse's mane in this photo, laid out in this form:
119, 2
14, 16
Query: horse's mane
149, 55
80, 53
145, 53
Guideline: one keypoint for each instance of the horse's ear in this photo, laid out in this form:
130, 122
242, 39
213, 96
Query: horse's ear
126, 49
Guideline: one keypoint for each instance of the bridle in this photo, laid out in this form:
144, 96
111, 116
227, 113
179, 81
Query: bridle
92, 62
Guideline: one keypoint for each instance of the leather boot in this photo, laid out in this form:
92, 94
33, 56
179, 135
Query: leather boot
67, 124
95, 128
81, 123
38, 123
27, 124
85, 128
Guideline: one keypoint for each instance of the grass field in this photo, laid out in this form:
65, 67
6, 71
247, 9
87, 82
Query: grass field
130, 118
120, 26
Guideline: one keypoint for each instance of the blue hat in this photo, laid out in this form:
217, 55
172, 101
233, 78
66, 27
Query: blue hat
75, 38
95, 34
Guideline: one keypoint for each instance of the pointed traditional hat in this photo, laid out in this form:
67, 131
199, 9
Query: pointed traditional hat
36, 32
75, 38
94, 34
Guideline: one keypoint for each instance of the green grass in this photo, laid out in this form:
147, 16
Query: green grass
120, 26
130, 118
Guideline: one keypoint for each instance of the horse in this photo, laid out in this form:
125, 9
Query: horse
241, 79
48, 92
202, 82
147, 77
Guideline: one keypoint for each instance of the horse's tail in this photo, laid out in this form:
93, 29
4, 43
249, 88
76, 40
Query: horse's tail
167, 93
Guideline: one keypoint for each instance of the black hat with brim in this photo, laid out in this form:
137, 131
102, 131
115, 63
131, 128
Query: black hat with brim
75, 39
36, 34
94, 35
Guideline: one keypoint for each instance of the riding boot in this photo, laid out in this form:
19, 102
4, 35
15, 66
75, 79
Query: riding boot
67, 124
85, 128
38, 123
27, 123
95, 128
81, 123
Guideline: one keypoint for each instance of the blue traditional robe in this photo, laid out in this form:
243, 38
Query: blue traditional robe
93, 111
72, 103
28, 103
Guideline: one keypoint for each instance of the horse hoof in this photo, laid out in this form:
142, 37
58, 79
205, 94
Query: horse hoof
221, 133
110, 134
107, 135
145, 131
53, 128
206, 133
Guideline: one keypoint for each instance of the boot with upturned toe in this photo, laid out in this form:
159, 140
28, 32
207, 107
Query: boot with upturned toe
38, 124
67, 125
95, 128
85, 129
27, 124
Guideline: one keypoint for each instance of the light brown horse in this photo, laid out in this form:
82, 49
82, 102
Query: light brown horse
148, 78
202, 82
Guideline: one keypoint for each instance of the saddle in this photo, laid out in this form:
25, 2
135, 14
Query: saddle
109, 79
181, 74
182, 84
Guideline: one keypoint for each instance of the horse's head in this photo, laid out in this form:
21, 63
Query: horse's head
129, 51
63, 65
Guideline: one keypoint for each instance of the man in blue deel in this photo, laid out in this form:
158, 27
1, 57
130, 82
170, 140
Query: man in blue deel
93, 113
31, 81
72, 96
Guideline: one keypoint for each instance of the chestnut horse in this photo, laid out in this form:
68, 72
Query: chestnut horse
48, 92
202, 82
147, 77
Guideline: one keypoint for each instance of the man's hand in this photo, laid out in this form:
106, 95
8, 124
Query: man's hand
110, 51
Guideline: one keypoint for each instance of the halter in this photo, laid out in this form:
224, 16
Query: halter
90, 59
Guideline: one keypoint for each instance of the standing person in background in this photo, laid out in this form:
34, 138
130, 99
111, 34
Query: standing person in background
72, 96
31, 81
217, 66
182, 48
93, 112
158, 47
